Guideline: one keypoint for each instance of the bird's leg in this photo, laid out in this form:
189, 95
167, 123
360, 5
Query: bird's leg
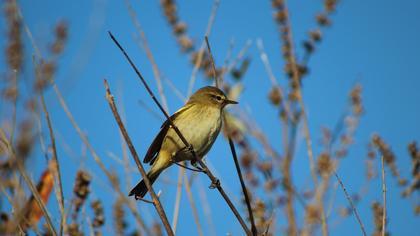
193, 162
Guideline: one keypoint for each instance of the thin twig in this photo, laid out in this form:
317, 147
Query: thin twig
56, 165
201, 50
244, 190
362, 227
383, 196
216, 79
214, 180
156, 201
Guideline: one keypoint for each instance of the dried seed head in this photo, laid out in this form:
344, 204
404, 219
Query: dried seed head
356, 100
25, 139
378, 212
74, 230
312, 214
251, 178
81, 191
316, 35
330, 5
265, 167
288, 69
275, 96
10, 93
14, 49
48, 70
247, 159
61, 34
323, 20
99, 217
279, 4
186, 43
303, 70
270, 185
308, 46
386, 152
415, 159
417, 209
180, 28
281, 16
324, 164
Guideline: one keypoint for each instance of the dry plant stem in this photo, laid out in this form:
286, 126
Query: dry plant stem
383, 196
362, 227
214, 180
177, 205
287, 181
296, 78
273, 79
201, 50
204, 203
101, 165
30, 184
149, 54
244, 190
193, 207
156, 201
216, 79
12, 131
63, 224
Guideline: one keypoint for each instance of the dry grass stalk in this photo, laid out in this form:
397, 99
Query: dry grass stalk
193, 207
384, 222
120, 224
145, 46
56, 168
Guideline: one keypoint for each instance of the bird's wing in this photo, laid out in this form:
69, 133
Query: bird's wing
154, 148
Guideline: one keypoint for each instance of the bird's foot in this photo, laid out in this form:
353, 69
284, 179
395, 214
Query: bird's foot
215, 184
195, 164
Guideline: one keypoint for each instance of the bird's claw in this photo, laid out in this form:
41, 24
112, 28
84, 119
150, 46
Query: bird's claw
214, 184
195, 164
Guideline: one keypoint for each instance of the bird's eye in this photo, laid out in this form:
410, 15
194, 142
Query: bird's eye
218, 98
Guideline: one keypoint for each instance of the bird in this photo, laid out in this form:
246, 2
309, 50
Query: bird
199, 121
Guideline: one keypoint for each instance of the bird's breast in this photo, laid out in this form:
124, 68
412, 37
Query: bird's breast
201, 128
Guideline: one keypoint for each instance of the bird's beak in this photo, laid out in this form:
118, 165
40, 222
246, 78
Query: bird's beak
227, 101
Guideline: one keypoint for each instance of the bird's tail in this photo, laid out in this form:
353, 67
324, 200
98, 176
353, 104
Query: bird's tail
140, 189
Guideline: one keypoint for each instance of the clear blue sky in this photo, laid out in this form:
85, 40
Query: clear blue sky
374, 43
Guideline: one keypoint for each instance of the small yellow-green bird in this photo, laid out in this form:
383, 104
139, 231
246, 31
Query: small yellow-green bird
199, 120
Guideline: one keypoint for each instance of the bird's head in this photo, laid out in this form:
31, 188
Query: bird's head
211, 96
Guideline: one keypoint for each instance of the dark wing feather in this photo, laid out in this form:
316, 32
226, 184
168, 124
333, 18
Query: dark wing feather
154, 148
156, 144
